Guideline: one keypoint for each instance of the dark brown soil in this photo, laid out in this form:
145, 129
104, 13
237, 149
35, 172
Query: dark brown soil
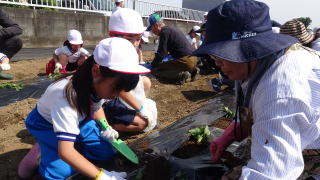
190, 149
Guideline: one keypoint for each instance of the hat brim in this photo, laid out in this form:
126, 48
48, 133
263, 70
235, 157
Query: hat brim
76, 42
246, 50
145, 39
138, 69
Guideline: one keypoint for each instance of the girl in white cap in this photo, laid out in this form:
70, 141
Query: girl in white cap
66, 114
192, 37
70, 56
132, 111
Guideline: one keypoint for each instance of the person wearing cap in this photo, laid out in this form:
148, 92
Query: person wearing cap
118, 5
70, 56
132, 111
298, 30
192, 37
10, 42
172, 41
68, 114
277, 85
205, 15
144, 40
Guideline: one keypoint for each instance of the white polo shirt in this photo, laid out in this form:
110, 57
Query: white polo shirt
55, 108
72, 57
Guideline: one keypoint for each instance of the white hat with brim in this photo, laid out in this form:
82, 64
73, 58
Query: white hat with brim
195, 29
74, 37
109, 53
126, 21
119, 1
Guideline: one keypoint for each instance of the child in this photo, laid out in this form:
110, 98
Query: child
63, 117
192, 37
70, 56
132, 111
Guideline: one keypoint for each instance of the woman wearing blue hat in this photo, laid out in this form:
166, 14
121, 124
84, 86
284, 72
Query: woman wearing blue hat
277, 90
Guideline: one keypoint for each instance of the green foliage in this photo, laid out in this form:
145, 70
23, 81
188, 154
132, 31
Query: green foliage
229, 112
54, 75
18, 86
305, 20
200, 134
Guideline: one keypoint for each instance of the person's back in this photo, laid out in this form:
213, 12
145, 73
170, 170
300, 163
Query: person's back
177, 44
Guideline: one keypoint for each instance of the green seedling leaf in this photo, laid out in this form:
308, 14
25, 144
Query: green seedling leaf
54, 75
15, 86
229, 112
200, 134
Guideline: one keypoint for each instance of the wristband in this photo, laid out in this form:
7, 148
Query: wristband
99, 174
139, 110
103, 123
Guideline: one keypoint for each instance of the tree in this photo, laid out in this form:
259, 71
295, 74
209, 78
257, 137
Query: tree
305, 20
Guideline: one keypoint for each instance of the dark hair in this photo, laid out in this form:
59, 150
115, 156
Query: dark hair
67, 43
80, 88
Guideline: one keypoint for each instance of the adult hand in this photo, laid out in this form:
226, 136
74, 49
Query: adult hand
112, 175
109, 134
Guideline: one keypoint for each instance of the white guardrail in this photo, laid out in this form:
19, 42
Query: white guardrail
105, 6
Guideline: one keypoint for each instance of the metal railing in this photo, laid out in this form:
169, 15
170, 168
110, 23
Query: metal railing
105, 6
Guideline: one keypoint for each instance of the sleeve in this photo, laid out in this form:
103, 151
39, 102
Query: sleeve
10, 28
65, 121
59, 51
162, 49
276, 151
84, 52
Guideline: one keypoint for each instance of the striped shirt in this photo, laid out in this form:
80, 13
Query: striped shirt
286, 113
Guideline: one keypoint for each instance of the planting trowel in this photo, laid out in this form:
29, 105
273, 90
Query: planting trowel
121, 146
6, 76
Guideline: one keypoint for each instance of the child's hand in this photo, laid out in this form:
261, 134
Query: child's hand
112, 175
109, 134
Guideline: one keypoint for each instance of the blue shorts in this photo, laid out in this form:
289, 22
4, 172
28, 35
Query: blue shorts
118, 113
88, 143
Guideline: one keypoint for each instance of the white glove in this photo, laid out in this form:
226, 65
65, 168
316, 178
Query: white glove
143, 112
109, 134
112, 175
58, 65
5, 67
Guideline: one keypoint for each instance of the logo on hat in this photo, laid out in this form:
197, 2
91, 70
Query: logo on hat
243, 35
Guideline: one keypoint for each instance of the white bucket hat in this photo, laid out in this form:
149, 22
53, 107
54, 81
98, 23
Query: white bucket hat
119, 1
109, 53
195, 29
126, 21
74, 37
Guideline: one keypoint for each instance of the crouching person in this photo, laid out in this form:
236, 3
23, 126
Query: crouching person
63, 117
277, 85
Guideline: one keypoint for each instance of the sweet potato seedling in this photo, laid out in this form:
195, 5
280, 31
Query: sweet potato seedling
200, 134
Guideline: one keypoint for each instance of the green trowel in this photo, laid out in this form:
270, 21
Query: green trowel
6, 76
121, 146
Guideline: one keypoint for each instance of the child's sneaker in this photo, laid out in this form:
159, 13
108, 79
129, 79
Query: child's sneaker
215, 84
194, 74
29, 164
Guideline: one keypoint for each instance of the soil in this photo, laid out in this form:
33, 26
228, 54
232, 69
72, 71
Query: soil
190, 149
173, 102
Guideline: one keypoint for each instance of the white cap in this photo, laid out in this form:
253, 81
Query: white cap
74, 37
126, 21
109, 53
145, 36
205, 13
119, 1
196, 28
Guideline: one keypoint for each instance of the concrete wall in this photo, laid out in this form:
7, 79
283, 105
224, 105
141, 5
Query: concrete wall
49, 28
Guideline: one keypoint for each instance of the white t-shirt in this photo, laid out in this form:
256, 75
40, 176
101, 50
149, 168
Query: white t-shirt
116, 8
138, 93
72, 57
55, 108
316, 44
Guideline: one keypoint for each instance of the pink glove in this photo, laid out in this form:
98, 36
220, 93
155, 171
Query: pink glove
219, 145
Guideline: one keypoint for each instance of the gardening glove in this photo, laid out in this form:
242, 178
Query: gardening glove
57, 68
219, 145
112, 175
109, 134
5, 67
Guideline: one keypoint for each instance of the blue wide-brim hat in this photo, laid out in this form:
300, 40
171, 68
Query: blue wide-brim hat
241, 31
